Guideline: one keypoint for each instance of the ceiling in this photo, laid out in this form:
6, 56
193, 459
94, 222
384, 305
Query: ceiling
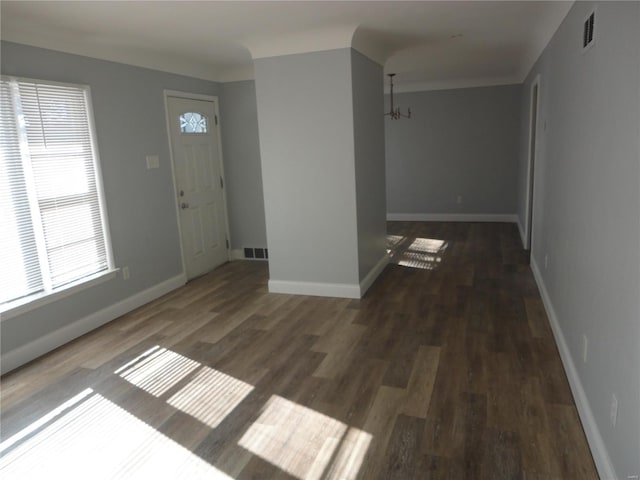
428, 44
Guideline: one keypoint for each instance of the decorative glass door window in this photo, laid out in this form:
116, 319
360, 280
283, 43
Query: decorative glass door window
193, 122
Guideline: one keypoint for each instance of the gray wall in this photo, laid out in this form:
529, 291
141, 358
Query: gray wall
457, 142
587, 199
306, 143
368, 130
130, 122
243, 172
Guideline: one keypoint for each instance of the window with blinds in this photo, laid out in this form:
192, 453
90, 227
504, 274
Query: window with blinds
52, 221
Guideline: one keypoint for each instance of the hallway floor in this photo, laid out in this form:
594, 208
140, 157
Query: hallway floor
446, 369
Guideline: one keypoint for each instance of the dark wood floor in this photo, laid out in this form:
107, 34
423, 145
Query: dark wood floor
447, 369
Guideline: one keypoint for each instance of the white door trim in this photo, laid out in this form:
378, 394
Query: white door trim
531, 163
216, 106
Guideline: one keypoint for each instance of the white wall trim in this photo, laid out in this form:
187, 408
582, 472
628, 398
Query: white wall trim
190, 96
39, 300
373, 274
237, 254
340, 290
452, 217
306, 41
531, 161
32, 350
596, 443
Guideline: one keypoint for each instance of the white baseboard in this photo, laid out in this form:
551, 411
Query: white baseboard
32, 350
340, 290
522, 235
373, 274
237, 254
596, 444
452, 217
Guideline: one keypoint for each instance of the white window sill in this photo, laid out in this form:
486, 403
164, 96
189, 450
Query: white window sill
23, 305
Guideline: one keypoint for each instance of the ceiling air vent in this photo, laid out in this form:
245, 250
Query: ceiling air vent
588, 34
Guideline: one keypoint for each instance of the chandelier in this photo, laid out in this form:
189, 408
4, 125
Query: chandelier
395, 114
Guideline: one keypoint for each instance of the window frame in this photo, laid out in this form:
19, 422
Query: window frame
36, 300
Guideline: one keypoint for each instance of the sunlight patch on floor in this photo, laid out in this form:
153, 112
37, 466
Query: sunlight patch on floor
422, 253
210, 396
94, 438
157, 370
393, 241
89, 436
349, 458
428, 245
419, 260
306, 443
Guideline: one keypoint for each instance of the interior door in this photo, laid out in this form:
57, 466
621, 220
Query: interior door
199, 184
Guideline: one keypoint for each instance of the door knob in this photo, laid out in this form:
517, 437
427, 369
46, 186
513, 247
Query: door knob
182, 193
184, 205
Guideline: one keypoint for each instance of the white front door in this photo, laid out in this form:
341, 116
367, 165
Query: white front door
198, 177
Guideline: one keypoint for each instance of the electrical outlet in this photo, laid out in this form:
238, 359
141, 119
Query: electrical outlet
153, 161
585, 348
613, 412
125, 273
459, 199
546, 260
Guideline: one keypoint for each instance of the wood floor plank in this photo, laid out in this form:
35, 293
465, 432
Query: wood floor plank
184, 429
338, 349
421, 382
534, 431
404, 449
122, 342
289, 305
473, 416
502, 455
350, 396
404, 356
445, 369
227, 322
555, 385
537, 318
379, 423
569, 443
430, 467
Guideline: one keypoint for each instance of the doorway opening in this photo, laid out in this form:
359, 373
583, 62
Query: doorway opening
532, 148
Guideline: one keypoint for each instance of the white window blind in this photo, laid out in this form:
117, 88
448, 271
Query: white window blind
53, 230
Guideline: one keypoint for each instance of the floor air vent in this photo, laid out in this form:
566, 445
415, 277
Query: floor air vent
256, 253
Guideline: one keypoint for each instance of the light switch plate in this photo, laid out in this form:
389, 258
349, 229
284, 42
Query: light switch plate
153, 161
